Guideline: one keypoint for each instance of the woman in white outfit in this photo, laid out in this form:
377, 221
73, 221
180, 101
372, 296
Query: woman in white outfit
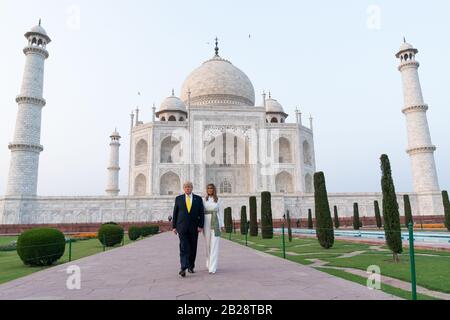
214, 224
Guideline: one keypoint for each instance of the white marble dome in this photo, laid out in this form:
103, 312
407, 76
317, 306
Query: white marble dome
274, 106
218, 82
172, 103
39, 32
405, 46
38, 29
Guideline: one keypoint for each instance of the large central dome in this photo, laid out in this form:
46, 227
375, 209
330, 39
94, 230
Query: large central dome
218, 82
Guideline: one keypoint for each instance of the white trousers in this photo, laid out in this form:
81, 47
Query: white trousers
212, 245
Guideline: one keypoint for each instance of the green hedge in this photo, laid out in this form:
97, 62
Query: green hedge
356, 221
266, 215
41, 246
310, 220
149, 230
110, 234
253, 217
244, 226
324, 223
228, 220
134, 233
446, 203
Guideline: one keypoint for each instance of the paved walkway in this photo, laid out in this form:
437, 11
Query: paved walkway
148, 269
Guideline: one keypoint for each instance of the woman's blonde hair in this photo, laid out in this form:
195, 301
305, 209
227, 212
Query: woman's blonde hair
211, 185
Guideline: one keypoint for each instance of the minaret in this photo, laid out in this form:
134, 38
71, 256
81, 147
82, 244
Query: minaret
26, 146
113, 167
298, 116
420, 148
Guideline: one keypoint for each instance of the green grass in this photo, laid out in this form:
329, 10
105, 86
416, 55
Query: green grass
11, 267
431, 272
6, 240
384, 287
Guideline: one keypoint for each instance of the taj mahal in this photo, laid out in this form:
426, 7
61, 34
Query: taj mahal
214, 129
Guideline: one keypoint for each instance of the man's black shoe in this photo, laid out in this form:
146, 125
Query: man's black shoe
182, 273
191, 271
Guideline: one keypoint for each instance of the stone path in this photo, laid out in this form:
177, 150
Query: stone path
148, 269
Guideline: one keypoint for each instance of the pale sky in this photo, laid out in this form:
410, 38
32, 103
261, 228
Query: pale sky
333, 59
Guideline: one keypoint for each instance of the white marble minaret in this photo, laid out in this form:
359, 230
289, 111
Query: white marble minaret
26, 147
420, 148
112, 188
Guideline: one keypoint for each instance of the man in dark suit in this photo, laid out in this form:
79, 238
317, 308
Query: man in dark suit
188, 221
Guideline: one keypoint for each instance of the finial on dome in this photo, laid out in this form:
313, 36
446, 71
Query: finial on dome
173, 92
270, 95
404, 39
40, 22
217, 47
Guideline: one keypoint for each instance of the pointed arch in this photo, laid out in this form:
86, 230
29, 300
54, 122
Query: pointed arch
283, 151
141, 153
140, 185
170, 184
309, 188
284, 182
307, 153
171, 151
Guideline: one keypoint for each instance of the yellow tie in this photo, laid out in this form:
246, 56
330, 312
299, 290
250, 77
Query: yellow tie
188, 203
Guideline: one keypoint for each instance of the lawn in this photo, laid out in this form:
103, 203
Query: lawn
11, 267
432, 267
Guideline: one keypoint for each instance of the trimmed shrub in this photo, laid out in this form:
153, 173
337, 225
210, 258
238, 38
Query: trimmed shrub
356, 221
377, 214
228, 217
41, 246
391, 215
288, 217
149, 230
134, 233
253, 217
110, 235
310, 220
266, 215
336, 218
324, 223
244, 226
408, 211
446, 209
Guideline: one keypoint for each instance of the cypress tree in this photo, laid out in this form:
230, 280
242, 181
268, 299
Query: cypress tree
324, 223
288, 217
310, 220
408, 211
356, 221
377, 214
336, 218
253, 218
266, 215
244, 220
228, 220
391, 213
446, 209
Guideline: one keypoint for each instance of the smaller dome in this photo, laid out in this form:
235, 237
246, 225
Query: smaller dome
115, 134
172, 103
38, 29
273, 105
406, 46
